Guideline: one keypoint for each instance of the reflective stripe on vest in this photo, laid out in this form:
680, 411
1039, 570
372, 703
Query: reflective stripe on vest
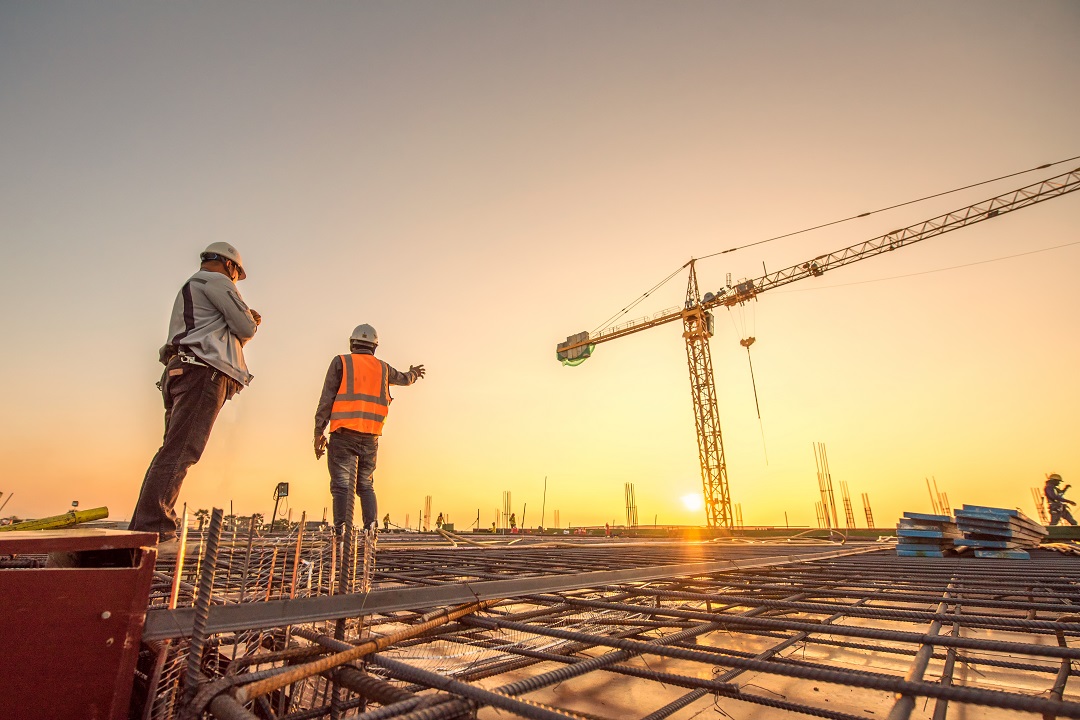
363, 398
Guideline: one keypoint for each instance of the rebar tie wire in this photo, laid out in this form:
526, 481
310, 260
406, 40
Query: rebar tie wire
248, 687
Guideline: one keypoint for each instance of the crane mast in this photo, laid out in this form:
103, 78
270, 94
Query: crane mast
697, 329
698, 323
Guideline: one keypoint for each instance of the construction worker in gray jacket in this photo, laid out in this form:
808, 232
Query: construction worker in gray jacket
204, 367
354, 402
1055, 498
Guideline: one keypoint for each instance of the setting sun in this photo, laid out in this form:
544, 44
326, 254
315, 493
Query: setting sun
693, 501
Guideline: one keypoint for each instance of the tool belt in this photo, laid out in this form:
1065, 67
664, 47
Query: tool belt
169, 352
191, 359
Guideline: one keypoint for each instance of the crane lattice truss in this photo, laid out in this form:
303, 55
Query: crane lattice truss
697, 320
696, 330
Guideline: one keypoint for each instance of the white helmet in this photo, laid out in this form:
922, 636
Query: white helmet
219, 250
365, 334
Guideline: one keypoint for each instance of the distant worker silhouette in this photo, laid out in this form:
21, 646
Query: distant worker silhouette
355, 399
1056, 500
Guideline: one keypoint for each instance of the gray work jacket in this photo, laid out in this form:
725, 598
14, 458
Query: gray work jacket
211, 321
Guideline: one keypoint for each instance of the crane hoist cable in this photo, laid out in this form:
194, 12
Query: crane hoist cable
746, 343
656, 287
890, 207
636, 302
746, 340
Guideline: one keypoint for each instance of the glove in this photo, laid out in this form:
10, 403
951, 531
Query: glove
417, 370
256, 317
320, 445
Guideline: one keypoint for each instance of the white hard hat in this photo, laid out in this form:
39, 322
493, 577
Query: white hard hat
365, 334
1053, 477
218, 250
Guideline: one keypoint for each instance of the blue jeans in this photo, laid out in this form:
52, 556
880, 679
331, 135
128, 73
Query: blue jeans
193, 395
351, 460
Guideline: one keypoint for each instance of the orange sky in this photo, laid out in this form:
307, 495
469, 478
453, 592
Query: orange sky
481, 180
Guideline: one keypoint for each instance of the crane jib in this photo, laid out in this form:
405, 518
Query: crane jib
970, 215
746, 290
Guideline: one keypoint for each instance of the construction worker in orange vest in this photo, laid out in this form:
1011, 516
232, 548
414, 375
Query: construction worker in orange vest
355, 399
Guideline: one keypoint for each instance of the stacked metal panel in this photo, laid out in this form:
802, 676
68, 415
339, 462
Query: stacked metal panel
997, 532
922, 535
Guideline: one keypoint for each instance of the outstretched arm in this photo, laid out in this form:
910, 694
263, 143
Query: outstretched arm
396, 377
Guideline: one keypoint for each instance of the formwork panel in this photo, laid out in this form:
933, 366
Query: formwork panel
71, 634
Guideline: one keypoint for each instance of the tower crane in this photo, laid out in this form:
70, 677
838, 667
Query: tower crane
698, 325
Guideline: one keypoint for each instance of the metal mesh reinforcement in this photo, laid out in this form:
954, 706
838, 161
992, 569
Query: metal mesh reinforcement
786, 631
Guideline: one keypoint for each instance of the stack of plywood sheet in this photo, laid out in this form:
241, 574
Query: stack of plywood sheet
921, 535
997, 532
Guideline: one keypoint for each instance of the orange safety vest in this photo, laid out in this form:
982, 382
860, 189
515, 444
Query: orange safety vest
363, 399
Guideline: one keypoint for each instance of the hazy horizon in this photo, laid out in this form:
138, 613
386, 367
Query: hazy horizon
479, 181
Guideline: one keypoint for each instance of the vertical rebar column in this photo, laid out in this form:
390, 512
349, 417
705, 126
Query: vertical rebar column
829, 486
247, 559
166, 646
296, 555
202, 607
348, 550
370, 542
819, 467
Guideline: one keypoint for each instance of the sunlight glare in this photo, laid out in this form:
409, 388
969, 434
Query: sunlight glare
693, 501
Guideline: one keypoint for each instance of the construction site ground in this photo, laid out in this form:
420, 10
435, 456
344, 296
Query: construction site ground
491, 626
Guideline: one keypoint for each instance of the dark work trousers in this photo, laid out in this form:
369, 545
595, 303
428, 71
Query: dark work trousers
351, 460
1059, 512
193, 395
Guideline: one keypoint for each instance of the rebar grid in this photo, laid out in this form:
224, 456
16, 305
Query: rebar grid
253, 568
835, 638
